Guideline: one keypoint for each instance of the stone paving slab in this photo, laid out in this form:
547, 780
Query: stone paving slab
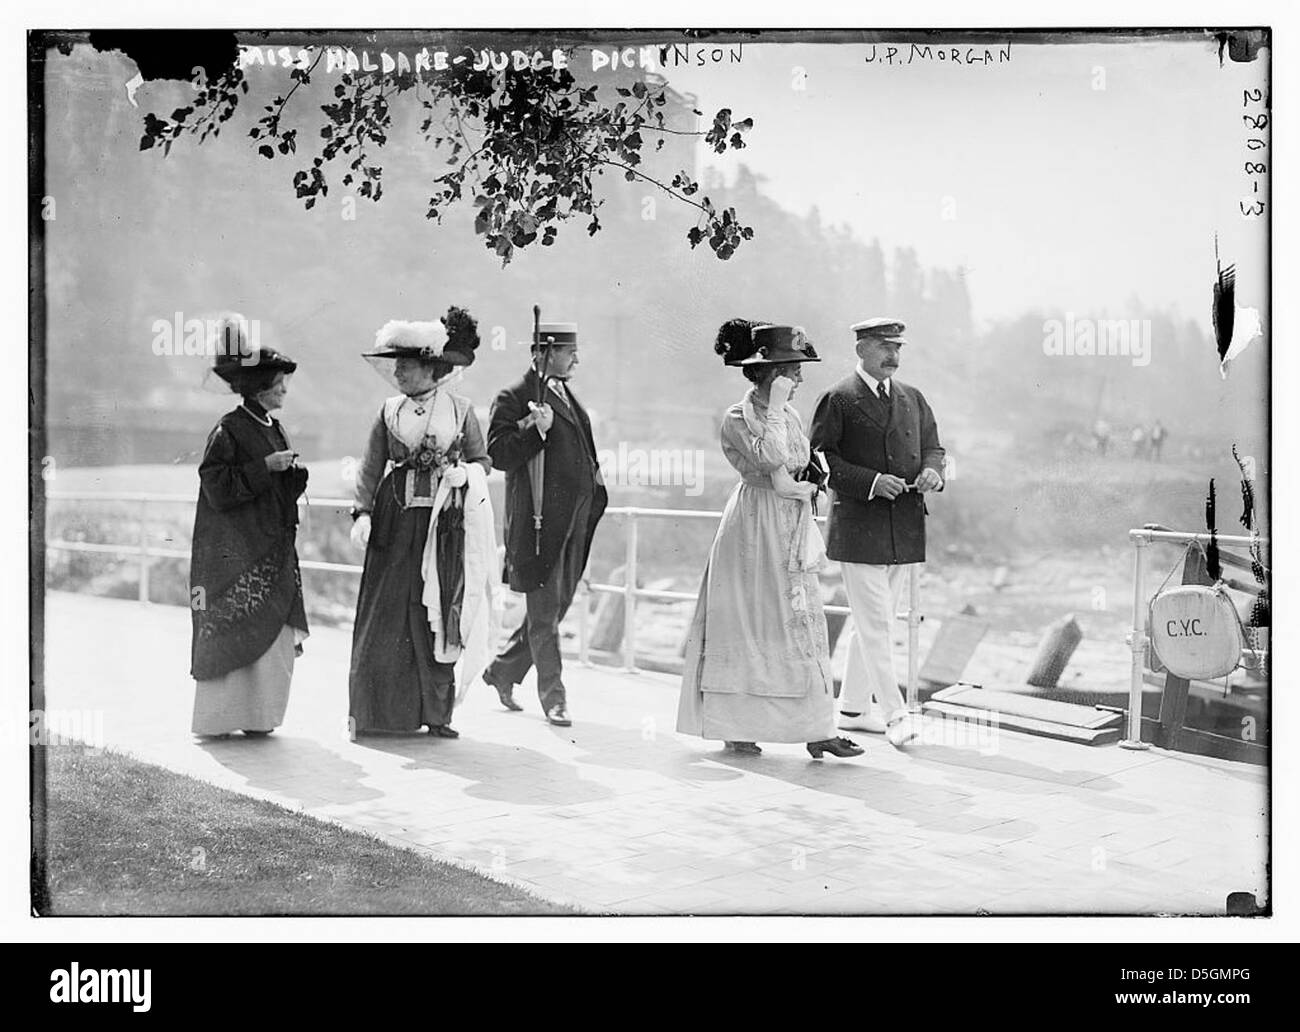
619, 814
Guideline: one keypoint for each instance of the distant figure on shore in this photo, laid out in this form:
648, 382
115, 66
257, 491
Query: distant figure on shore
245, 587
1139, 440
1101, 436
757, 665
423, 516
1158, 435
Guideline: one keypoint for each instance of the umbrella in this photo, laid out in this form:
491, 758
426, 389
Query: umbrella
537, 464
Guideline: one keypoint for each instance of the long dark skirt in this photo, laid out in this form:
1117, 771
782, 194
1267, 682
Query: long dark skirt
395, 683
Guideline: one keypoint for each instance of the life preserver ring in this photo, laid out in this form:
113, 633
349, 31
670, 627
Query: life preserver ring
1196, 631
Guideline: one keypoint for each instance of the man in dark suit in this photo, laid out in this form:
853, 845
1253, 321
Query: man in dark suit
882, 447
539, 415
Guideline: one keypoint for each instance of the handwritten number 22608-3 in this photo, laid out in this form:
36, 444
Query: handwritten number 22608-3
1256, 122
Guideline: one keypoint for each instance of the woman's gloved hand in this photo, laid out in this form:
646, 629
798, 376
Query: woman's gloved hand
779, 393
361, 530
456, 476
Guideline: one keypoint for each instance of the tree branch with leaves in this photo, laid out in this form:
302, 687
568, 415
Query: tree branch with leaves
544, 141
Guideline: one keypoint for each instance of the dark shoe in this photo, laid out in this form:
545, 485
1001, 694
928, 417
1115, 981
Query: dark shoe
558, 715
834, 746
256, 734
443, 731
506, 693
744, 748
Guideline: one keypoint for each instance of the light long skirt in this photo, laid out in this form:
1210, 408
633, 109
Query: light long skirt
252, 698
756, 669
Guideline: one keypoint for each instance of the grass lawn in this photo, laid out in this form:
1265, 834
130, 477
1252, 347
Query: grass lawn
129, 838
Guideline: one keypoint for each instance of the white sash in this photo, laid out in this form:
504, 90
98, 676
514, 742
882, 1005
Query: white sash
480, 566
809, 548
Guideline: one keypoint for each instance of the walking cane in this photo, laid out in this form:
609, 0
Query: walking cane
537, 464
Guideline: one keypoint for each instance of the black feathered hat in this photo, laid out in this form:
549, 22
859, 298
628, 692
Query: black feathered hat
735, 340
243, 364
462, 336
744, 343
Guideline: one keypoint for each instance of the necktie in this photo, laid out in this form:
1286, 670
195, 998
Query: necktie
882, 393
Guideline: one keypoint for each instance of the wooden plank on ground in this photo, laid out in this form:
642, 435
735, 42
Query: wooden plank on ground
1028, 725
1029, 706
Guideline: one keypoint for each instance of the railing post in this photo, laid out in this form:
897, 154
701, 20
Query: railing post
144, 558
913, 634
629, 595
1138, 648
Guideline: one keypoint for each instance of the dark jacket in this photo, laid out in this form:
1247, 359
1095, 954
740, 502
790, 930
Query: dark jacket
860, 437
571, 474
244, 579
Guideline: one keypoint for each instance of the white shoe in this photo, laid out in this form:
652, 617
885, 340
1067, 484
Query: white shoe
867, 722
901, 731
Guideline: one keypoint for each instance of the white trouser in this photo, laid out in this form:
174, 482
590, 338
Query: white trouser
855, 696
873, 594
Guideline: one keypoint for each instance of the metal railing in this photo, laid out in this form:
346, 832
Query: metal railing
631, 593
145, 554
628, 589
1138, 639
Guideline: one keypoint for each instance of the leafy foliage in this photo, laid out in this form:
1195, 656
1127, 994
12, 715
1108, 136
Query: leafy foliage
527, 146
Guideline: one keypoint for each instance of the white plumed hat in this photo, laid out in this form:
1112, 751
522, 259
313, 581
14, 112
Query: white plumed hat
398, 337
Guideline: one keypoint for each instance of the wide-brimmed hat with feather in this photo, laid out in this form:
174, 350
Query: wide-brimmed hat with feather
744, 342
241, 360
452, 339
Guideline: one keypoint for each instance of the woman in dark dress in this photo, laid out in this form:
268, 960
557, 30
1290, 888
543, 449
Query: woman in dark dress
245, 588
417, 471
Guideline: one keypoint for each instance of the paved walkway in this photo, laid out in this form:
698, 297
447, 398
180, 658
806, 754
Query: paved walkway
621, 814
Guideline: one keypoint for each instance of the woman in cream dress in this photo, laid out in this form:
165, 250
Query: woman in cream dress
757, 660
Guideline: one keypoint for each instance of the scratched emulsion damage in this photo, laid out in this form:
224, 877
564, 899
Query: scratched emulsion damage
1235, 329
1247, 493
172, 54
1212, 565
1242, 45
1259, 610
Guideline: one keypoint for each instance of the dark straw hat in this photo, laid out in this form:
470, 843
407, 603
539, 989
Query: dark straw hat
743, 342
775, 345
557, 333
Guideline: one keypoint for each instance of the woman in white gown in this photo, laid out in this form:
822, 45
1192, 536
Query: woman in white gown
757, 660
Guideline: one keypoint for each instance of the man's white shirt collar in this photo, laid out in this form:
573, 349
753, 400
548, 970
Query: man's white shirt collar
873, 383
